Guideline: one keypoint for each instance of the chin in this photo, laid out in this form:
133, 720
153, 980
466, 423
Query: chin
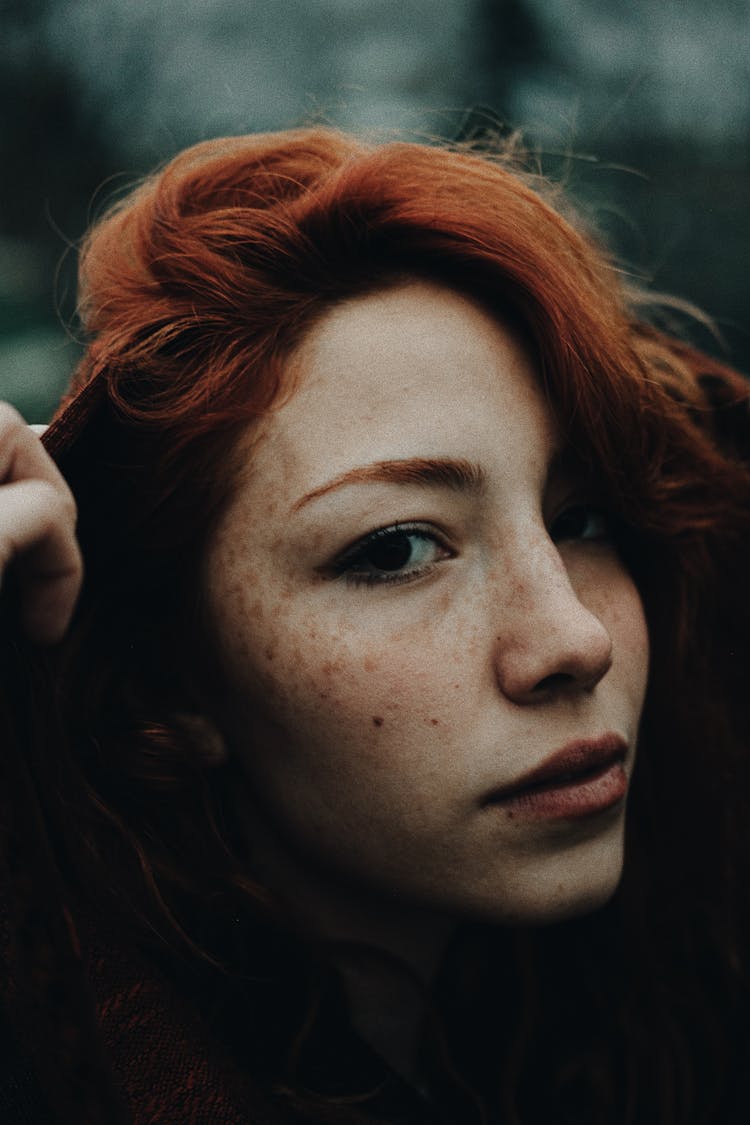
556, 888
573, 905
564, 904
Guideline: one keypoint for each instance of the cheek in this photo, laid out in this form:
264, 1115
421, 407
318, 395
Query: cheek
352, 684
629, 618
284, 663
618, 605
344, 702
342, 735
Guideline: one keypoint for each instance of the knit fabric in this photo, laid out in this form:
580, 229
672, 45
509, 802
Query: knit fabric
170, 1068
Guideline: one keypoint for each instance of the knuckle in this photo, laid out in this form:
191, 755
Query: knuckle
67, 500
60, 501
10, 420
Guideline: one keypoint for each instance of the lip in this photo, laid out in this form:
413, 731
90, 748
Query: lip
580, 779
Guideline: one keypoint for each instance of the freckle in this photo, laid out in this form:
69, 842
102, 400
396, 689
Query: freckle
370, 664
511, 815
435, 722
323, 694
270, 653
377, 721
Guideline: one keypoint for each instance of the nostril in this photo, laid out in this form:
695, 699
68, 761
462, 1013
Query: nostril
555, 682
538, 660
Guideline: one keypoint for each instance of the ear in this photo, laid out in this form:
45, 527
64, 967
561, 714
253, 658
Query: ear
204, 735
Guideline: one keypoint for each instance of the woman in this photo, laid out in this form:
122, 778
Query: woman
404, 535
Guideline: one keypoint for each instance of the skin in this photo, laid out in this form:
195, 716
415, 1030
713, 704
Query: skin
37, 530
373, 720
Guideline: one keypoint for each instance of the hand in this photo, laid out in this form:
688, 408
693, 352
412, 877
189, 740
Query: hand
37, 530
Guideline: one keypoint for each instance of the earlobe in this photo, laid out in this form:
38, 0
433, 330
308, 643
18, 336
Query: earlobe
204, 736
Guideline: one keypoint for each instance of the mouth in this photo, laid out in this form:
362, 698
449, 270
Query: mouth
581, 779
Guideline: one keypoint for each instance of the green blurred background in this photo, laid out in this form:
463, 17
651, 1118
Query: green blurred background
642, 108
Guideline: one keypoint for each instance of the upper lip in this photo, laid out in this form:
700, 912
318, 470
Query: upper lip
578, 757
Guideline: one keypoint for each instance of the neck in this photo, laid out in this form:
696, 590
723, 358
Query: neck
387, 1008
388, 954
388, 971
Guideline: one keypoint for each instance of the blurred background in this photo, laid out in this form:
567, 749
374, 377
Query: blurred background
643, 109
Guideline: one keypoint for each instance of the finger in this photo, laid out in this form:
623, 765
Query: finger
22, 454
37, 527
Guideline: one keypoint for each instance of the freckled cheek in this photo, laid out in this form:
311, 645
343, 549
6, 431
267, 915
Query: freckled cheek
620, 609
248, 634
635, 642
389, 685
345, 684
289, 664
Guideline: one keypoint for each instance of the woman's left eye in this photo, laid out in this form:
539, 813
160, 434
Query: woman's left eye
582, 521
390, 555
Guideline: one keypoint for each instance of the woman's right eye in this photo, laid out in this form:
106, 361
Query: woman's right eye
396, 554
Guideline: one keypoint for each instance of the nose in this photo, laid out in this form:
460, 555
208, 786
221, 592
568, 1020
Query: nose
547, 643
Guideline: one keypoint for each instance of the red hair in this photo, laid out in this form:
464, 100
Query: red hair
195, 291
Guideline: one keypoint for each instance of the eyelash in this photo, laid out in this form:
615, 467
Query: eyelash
357, 554
583, 506
344, 567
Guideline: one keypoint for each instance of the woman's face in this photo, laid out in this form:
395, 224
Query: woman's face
415, 603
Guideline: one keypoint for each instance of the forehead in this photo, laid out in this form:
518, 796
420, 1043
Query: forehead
417, 369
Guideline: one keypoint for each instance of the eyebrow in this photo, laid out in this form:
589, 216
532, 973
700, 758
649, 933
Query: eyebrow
455, 473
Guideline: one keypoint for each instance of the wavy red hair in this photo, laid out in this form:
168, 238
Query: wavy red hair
195, 291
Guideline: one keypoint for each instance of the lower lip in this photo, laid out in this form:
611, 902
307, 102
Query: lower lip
571, 800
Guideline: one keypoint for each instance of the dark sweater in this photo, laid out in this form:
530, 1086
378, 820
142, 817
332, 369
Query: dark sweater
173, 1068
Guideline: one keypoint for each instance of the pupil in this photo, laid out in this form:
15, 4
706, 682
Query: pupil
391, 553
572, 523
